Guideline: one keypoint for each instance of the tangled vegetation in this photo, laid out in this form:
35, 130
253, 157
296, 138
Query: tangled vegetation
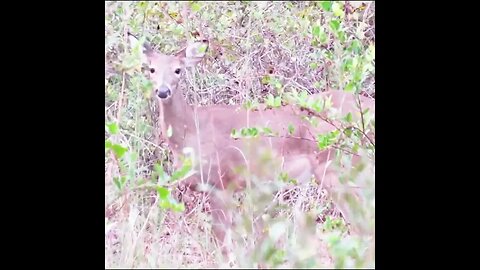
258, 52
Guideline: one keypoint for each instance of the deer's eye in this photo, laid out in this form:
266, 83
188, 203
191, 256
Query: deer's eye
152, 70
177, 71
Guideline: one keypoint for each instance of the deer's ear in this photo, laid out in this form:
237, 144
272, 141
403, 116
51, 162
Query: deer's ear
193, 53
146, 48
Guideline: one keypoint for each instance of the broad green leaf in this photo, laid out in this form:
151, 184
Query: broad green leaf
278, 257
350, 87
118, 150
355, 148
178, 207
303, 95
324, 141
159, 170
323, 37
270, 101
291, 129
348, 117
108, 144
355, 46
196, 6
244, 132
267, 131
326, 5
112, 128
357, 75
265, 80
163, 192
182, 172
341, 36
164, 204
234, 133
278, 85
313, 65
119, 181
318, 105
347, 64
316, 31
203, 48
335, 25
348, 132
278, 101
248, 105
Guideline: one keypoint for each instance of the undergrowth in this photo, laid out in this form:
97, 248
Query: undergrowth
258, 51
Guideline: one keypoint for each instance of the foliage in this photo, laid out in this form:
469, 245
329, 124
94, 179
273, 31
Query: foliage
260, 52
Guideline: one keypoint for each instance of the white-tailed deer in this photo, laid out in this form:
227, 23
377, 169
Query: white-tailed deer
221, 158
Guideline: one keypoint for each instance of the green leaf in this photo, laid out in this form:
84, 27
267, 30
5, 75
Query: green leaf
355, 47
178, 207
324, 141
277, 102
303, 95
164, 204
291, 129
233, 134
278, 85
348, 117
270, 101
341, 35
265, 80
316, 31
112, 128
337, 9
313, 65
326, 5
323, 37
357, 75
182, 172
108, 144
159, 170
355, 148
350, 87
318, 105
119, 181
347, 64
348, 132
163, 192
267, 131
195, 6
335, 25
118, 150
253, 132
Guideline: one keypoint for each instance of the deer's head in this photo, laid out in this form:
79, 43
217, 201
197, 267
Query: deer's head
165, 70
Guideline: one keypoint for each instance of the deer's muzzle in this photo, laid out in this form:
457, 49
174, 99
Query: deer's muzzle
164, 92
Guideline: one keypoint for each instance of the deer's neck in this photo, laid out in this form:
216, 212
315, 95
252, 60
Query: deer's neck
178, 115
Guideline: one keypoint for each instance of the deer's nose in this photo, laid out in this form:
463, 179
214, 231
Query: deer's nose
163, 92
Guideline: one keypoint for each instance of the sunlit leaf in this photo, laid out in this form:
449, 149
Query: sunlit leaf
163, 192
112, 128
326, 5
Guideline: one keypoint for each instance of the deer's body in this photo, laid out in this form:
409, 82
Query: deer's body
223, 159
